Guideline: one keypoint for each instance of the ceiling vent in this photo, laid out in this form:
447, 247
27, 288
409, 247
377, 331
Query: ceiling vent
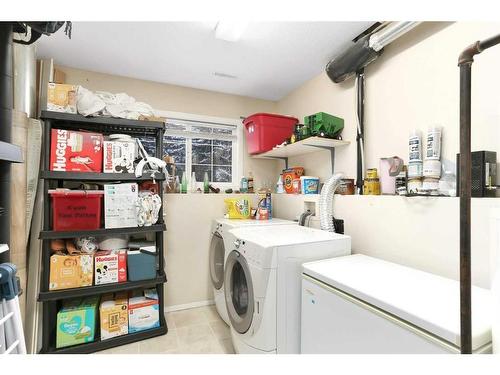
224, 75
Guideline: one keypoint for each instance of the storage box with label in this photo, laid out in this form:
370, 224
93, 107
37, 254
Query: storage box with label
61, 97
119, 156
120, 205
143, 311
114, 315
76, 322
110, 266
75, 151
70, 271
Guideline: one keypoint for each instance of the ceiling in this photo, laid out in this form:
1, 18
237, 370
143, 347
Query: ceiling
269, 60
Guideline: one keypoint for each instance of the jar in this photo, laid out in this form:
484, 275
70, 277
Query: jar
415, 169
432, 168
372, 183
430, 185
401, 182
414, 185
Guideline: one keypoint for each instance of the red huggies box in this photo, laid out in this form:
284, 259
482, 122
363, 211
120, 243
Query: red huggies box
74, 151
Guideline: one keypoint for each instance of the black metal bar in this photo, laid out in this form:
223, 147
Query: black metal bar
360, 112
465, 208
465, 61
6, 102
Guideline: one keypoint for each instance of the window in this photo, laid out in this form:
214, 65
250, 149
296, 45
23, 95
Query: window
201, 145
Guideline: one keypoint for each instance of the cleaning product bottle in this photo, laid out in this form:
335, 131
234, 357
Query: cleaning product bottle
279, 185
206, 189
244, 185
193, 183
250, 182
184, 183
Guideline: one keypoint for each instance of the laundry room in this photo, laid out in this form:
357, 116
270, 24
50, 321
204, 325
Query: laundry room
220, 185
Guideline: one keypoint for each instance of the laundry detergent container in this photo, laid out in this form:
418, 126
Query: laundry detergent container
266, 130
141, 264
76, 209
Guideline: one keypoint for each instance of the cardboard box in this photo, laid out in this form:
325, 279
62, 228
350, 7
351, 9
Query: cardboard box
119, 157
114, 315
70, 271
76, 322
61, 97
120, 205
143, 311
74, 151
110, 266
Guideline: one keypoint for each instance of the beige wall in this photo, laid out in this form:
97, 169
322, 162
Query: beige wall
412, 85
173, 98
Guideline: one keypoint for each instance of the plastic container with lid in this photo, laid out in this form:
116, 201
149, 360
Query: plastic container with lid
309, 185
266, 130
76, 209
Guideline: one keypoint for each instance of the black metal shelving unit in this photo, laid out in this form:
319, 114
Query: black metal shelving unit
51, 299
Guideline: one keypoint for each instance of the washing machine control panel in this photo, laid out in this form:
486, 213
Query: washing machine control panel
253, 254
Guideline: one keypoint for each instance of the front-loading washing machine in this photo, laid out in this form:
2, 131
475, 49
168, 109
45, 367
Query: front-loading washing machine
262, 283
218, 253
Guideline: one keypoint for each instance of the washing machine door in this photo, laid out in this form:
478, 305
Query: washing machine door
238, 291
216, 260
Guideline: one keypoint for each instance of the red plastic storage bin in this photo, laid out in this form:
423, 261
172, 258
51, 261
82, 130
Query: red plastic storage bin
266, 130
76, 209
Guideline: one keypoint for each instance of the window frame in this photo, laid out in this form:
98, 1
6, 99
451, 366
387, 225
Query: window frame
237, 149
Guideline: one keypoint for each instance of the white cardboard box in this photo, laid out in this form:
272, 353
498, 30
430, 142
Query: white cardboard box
120, 205
118, 157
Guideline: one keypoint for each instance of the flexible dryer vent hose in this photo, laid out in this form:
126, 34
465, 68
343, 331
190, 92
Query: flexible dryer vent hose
326, 202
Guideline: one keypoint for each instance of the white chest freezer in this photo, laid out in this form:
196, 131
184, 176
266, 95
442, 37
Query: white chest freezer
362, 305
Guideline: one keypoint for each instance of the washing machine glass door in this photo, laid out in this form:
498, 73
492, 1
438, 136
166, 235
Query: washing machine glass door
216, 260
238, 291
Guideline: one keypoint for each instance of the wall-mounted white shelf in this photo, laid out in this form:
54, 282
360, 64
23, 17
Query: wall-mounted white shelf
306, 146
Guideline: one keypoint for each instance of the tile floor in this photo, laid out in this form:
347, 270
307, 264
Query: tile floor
192, 331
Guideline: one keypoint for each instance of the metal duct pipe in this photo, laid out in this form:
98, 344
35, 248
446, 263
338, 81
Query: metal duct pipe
25, 79
389, 34
5, 130
465, 61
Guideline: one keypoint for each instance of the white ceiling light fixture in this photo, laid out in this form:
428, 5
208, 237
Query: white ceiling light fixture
230, 31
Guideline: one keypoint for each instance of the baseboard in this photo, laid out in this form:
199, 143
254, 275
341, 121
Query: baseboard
191, 305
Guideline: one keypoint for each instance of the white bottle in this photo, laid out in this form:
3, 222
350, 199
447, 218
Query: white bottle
279, 185
433, 143
415, 146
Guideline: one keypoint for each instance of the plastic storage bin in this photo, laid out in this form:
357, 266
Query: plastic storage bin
141, 264
266, 130
76, 209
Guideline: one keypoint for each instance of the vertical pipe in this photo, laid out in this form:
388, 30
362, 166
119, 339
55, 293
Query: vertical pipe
361, 128
6, 100
465, 209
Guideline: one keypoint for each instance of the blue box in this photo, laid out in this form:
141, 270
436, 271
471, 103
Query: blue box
142, 264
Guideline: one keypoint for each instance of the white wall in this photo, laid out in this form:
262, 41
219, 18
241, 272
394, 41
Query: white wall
413, 84
418, 232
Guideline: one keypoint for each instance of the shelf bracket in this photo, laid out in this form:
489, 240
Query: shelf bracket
332, 154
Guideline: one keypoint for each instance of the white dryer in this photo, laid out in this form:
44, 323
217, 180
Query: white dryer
218, 254
262, 283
